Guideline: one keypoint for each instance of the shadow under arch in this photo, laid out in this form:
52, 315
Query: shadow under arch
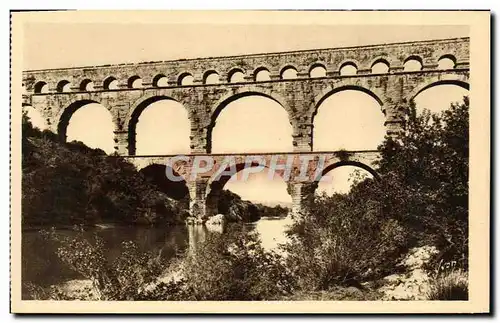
226, 100
63, 121
461, 83
156, 175
135, 113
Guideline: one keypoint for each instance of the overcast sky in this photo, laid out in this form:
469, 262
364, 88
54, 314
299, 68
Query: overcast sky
53, 45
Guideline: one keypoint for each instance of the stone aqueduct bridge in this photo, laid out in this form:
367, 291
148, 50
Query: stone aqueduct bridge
57, 93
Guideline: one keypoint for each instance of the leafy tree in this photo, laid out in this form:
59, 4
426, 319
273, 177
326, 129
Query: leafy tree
421, 198
425, 178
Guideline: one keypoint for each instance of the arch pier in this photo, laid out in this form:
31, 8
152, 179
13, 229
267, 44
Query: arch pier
204, 86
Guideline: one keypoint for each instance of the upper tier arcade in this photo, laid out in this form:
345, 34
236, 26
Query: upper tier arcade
172, 73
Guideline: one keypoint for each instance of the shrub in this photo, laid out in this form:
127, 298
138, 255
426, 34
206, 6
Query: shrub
234, 266
421, 199
452, 285
231, 266
343, 242
425, 176
133, 275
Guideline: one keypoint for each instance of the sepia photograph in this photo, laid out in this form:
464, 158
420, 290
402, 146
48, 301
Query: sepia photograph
312, 162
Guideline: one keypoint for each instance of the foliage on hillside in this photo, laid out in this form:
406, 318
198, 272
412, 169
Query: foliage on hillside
73, 184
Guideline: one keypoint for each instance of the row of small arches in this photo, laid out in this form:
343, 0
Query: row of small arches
381, 66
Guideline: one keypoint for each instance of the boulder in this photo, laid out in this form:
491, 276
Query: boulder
219, 219
414, 284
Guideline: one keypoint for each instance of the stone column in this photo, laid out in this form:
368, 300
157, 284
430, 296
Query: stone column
302, 142
197, 202
198, 140
395, 119
302, 135
302, 193
394, 107
199, 118
121, 142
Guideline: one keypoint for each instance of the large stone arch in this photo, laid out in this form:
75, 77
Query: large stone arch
461, 80
218, 182
65, 114
238, 93
314, 185
136, 110
329, 91
343, 86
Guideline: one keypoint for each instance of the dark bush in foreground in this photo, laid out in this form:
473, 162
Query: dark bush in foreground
231, 266
343, 243
234, 266
450, 286
128, 277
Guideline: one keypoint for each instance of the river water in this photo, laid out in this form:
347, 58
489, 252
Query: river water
40, 264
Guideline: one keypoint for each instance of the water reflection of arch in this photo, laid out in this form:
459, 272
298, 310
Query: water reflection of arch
238, 93
135, 112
